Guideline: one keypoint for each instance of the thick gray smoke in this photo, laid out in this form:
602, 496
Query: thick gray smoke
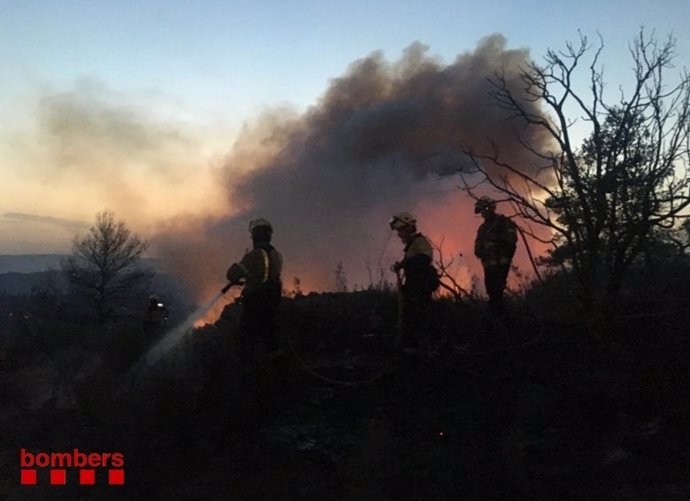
384, 137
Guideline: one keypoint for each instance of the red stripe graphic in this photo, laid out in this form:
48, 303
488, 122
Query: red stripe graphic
59, 476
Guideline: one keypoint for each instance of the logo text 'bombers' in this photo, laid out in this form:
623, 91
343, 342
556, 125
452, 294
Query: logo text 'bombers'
81, 465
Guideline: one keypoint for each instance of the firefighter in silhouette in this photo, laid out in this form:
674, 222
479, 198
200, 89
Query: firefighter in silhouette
420, 281
495, 247
156, 317
260, 270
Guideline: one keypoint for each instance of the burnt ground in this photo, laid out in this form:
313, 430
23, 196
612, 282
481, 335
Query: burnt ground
538, 410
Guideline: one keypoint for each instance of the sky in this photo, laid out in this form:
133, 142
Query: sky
164, 112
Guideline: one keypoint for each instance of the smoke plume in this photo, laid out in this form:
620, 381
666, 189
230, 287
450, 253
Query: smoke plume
384, 137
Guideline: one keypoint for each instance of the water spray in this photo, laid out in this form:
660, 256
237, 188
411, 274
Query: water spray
176, 335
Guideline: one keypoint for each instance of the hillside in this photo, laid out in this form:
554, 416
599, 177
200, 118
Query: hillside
541, 410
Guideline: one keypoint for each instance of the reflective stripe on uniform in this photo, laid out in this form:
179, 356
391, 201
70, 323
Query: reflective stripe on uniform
264, 278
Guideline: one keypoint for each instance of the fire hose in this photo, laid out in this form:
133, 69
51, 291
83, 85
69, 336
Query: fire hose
309, 370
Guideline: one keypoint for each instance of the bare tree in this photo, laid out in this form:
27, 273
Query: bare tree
447, 278
604, 200
102, 265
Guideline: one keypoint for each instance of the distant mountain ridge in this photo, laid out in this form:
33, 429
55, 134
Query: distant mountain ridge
14, 283
20, 274
30, 263
34, 263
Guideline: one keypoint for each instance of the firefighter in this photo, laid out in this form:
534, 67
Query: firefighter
156, 317
420, 281
495, 247
260, 269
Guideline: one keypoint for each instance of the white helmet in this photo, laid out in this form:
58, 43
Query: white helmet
402, 219
484, 203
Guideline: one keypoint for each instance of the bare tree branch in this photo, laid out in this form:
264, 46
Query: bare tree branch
603, 201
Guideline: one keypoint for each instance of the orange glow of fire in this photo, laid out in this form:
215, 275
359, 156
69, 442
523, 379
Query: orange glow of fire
452, 225
449, 222
212, 315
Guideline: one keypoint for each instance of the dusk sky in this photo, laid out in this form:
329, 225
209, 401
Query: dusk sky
137, 106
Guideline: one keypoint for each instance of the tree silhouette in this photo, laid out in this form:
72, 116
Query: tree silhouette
340, 278
102, 265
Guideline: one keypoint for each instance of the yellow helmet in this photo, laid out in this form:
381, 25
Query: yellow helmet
484, 203
402, 219
255, 224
